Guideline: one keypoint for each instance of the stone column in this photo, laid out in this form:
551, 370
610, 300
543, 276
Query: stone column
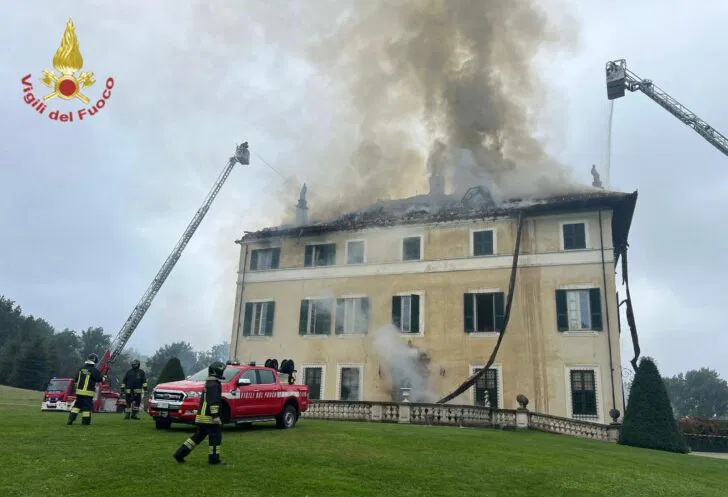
522, 412
614, 427
376, 412
404, 413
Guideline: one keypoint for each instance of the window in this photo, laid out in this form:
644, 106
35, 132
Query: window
486, 388
258, 319
323, 254
406, 313
483, 243
583, 393
266, 377
264, 259
350, 383
249, 375
484, 312
315, 317
574, 236
412, 248
579, 310
313, 376
352, 315
355, 252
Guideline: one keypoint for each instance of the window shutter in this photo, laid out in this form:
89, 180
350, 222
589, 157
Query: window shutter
269, 318
308, 256
254, 260
499, 302
580, 235
562, 313
415, 313
468, 312
595, 304
340, 311
365, 315
247, 319
303, 318
397, 311
327, 308
331, 255
275, 258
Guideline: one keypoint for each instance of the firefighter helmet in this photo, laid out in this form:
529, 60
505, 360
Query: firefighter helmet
216, 369
92, 359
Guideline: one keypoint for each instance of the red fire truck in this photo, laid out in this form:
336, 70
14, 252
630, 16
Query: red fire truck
59, 395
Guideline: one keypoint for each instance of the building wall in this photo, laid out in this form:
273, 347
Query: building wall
534, 358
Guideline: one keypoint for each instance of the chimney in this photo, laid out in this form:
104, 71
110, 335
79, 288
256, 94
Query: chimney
302, 207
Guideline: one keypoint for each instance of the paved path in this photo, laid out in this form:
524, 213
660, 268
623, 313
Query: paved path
716, 455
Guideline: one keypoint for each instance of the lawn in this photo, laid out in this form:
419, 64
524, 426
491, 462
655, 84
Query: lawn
40, 455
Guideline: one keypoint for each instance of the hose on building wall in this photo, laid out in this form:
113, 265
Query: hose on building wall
630, 310
511, 288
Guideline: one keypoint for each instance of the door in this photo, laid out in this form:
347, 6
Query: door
247, 401
270, 401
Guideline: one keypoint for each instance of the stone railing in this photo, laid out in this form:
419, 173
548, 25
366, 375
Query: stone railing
460, 415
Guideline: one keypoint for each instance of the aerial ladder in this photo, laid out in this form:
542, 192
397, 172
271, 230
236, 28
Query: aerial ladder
106, 399
619, 79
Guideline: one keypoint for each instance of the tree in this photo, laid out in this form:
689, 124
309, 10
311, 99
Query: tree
699, 392
64, 353
172, 371
94, 340
649, 422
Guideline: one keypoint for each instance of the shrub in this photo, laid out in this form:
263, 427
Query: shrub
172, 371
648, 421
695, 425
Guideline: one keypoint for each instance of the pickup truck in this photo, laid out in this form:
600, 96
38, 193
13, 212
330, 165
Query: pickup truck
250, 394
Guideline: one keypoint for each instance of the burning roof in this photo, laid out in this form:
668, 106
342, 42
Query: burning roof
445, 208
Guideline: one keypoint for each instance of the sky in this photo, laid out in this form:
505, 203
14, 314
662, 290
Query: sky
89, 210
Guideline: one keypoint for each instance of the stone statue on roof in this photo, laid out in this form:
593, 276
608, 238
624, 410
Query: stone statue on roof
595, 175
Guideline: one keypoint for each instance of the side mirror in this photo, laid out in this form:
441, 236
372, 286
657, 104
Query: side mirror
244, 381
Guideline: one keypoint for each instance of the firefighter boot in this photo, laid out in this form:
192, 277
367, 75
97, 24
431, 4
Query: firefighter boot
127, 414
184, 450
72, 417
135, 414
214, 456
86, 418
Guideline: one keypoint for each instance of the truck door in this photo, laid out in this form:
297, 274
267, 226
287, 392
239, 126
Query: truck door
270, 400
247, 401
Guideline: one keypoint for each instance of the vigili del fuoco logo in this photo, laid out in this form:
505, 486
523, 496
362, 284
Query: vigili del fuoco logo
70, 84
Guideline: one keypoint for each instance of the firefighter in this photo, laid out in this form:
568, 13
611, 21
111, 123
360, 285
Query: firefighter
134, 386
86, 379
208, 417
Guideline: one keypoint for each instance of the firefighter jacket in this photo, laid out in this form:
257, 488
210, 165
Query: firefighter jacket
134, 379
211, 402
86, 379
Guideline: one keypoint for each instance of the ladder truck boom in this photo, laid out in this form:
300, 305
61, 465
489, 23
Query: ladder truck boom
242, 156
619, 79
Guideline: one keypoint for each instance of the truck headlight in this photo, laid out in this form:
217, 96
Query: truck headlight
194, 395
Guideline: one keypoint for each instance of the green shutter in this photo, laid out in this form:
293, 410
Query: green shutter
580, 235
327, 306
595, 305
303, 318
562, 312
254, 260
397, 311
331, 255
269, 318
499, 302
415, 313
247, 319
340, 311
308, 256
365, 315
275, 258
468, 312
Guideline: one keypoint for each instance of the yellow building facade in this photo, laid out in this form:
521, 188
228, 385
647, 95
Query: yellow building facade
414, 297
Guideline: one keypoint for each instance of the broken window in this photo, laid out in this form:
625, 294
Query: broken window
483, 242
313, 377
258, 319
315, 317
323, 254
583, 393
355, 252
406, 313
349, 380
411, 248
579, 310
574, 236
263, 259
486, 388
484, 312
352, 315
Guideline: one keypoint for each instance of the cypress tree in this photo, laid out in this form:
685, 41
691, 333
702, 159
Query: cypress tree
172, 371
649, 421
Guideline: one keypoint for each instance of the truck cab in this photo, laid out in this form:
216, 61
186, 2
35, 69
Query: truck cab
250, 394
59, 395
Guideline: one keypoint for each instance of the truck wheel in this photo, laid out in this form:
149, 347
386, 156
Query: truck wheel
287, 419
162, 424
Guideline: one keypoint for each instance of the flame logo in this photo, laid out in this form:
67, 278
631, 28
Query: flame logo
68, 61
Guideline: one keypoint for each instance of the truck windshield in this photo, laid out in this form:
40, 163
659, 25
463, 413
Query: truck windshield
203, 374
58, 385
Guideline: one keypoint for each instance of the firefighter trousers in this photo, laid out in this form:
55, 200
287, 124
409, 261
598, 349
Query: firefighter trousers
214, 434
83, 405
133, 400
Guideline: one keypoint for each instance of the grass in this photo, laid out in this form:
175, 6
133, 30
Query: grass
40, 455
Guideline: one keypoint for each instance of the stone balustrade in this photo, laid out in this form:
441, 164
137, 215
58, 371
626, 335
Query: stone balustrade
461, 415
